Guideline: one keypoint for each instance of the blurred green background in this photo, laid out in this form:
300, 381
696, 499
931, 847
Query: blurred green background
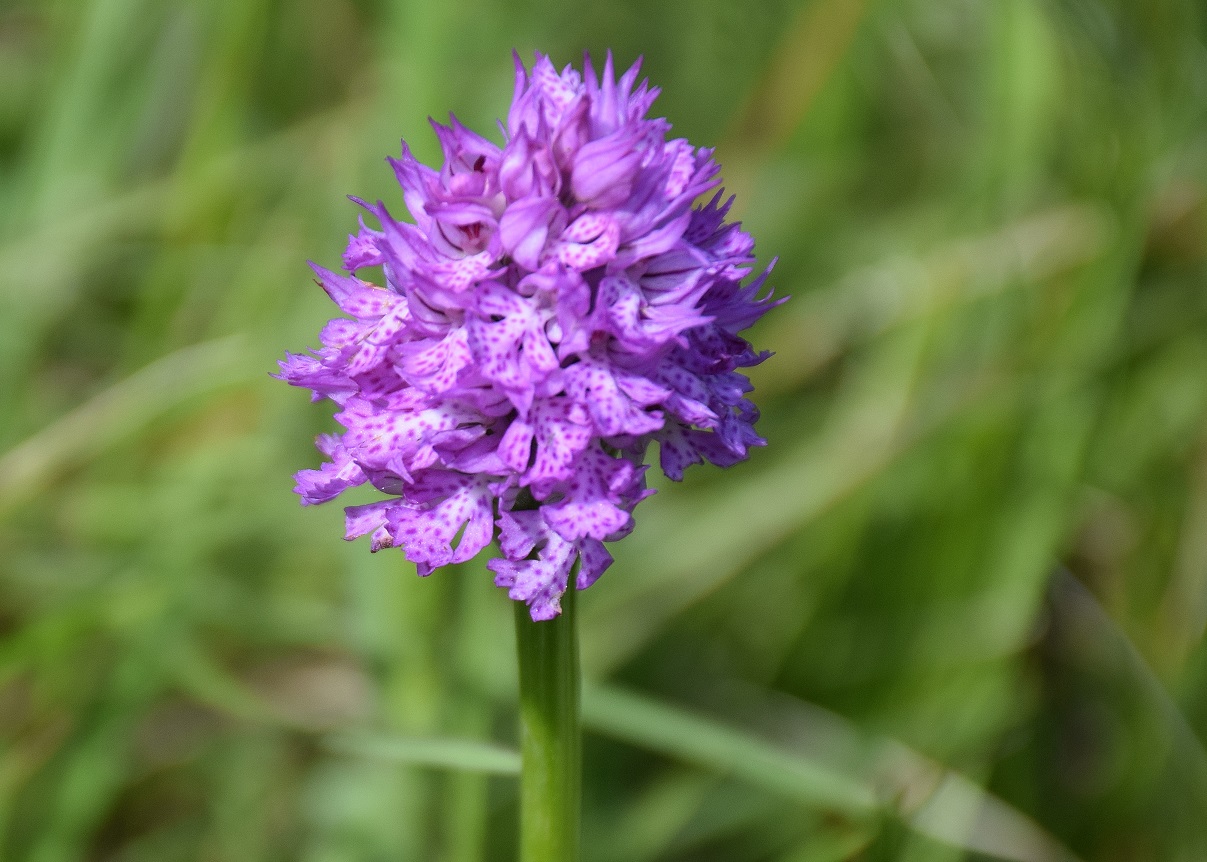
955, 609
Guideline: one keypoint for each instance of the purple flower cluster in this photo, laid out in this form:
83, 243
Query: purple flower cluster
558, 304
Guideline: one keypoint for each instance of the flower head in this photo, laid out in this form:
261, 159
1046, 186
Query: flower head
559, 303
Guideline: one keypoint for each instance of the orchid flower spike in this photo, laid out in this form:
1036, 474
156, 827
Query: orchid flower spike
559, 303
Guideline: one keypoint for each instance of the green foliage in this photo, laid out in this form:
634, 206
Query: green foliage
955, 610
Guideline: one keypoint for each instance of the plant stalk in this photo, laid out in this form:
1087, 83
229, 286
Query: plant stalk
550, 734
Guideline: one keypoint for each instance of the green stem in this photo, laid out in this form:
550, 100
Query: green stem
550, 735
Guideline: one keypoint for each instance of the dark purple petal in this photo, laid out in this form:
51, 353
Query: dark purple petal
676, 452
594, 559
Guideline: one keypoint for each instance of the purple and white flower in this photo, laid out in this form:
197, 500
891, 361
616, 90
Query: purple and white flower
560, 302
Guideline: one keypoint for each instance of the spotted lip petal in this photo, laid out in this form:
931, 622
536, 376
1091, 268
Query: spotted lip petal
558, 303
